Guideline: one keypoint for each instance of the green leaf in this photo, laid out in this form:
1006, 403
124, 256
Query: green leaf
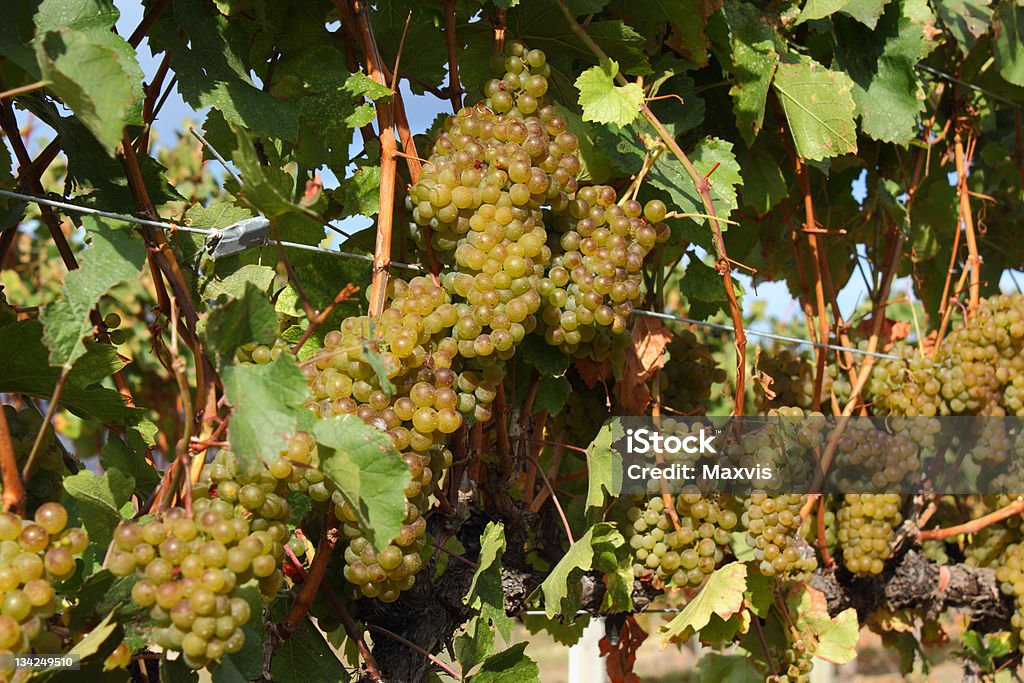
94, 75
552, 394
753, 58
24, 369
211, 63
116, 454
594, 550
603, 101
475, 644
604, 469
864, 11
759, 593
564, 633
90, 645
266, 403
882, 62
703, 288
721, 595
368, 472
359, 194
510, 666
547, 359
716, 668
764, 184
98, 500
101, 593
81, 15
234, 285
306, 656
1008, 48
486, 595
248, 319
113, 257
819, 108
967, 20
176, 671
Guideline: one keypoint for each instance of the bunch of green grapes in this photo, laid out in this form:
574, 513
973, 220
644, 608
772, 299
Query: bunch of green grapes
795, 662
298, 466
45, 485
867, 525
261, 354
683, 556
792, 381
595, 279
772, 523
493, 168
1010, 574
869, 457
190, 570
34, 557
688, 375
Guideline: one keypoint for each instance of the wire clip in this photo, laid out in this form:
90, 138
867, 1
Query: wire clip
238, 237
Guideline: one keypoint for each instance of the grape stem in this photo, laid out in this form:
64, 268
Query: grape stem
975, 525
51, 408
704, 190
314, 577
455, 85
14, 491
973, 260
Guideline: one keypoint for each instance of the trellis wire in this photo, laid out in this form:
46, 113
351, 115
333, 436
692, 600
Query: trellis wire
418, 268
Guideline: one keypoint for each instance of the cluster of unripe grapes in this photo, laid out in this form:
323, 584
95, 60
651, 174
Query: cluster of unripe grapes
45, 483
796, 661
35, 556
687, 555
1010, 574
189, 571
595, 277
688, 375
867, 525
792, 382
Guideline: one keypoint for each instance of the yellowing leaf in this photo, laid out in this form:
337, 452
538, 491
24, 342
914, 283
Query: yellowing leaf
721, 595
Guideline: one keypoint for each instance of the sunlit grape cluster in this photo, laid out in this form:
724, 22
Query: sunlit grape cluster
683, 556
1010, 574
772, 523
35, 556
190, 573
867, 525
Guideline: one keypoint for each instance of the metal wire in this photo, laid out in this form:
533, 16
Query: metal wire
417, 268
184, 228
768, 335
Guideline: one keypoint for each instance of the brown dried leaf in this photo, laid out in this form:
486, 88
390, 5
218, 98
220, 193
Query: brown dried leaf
645, 356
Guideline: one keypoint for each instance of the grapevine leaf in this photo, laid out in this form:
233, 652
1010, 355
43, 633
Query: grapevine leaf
176, 671
113, 257
703, 288
359, 195
819, 108
716, 668
266, 401
721, 595
604, 469
210, 61
882, 62
101, 593
90, 644
837, 636
248, 319
234, 286
603, 101
753, 58
547, 359
93, 77
759, 593
764, 184
687, 20
509, 666
864, 11
486, 595
24, 369
596, 549
368, 472
116, 454
564, 633
306, 656
552, 394
1009, 43
967, 20
475, 644
98, 500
